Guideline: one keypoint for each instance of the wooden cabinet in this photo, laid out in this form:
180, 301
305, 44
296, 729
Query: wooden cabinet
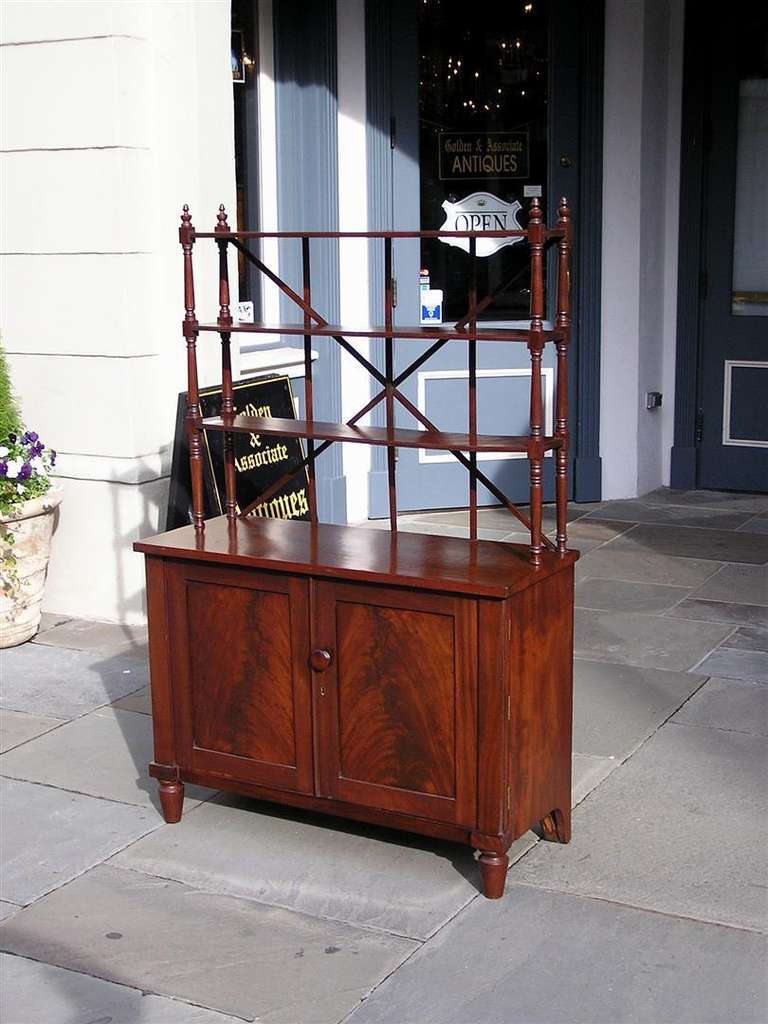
439, 701
422, 682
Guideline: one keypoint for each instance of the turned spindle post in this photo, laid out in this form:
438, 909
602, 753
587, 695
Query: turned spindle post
227, 392
190, 331
308, 392
472, 380
389, 374
564, 325
536, 348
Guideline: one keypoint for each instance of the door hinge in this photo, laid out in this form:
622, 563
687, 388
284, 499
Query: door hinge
699, 426
392, 132
394, 292
509, 798
509, 706
703, 286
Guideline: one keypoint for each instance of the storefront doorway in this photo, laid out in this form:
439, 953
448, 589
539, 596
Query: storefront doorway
484, 115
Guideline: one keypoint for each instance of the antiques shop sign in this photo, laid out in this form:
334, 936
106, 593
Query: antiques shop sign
259, 460
466, 155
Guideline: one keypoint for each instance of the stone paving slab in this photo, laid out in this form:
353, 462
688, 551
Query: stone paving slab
49, 836
680, 828
739, 584
232, 955
348, 871
35, 993
90, 635
141, 702
587, 534
62, 683
104, 754
609, 562
693, 542
327, 867
7, 910
748, 638
16, 727
538, 957
720, 611
759, 524
638, 511
50, 619
588, 772
644, 640
617, 707
734, 664
734, 501
624, 596
728, 704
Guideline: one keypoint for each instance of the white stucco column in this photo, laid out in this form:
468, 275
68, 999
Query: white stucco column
353, 253
641, 181
114, 115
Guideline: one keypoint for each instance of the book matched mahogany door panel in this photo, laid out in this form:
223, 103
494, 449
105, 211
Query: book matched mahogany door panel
395, 698
241, 683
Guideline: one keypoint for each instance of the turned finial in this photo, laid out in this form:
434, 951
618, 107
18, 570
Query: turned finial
186, 216
563, 209
535, 214
221, 218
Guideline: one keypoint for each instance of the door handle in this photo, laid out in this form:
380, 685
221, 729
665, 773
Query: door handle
320, 660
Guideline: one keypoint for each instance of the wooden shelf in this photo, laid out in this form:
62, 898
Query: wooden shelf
486, 568
379, 331
398, 437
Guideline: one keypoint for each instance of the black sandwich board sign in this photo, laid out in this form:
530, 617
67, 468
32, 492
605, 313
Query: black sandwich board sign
259, 460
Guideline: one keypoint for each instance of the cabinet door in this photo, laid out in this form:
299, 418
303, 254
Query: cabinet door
395, 700
241, 686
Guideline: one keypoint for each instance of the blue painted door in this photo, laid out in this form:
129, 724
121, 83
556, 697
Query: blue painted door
733, 341
468, 82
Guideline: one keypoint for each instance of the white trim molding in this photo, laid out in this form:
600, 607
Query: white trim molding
741, 442
428, 457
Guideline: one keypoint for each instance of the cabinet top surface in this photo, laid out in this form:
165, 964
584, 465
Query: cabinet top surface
427, 561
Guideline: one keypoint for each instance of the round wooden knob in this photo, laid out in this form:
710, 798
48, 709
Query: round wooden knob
320, 660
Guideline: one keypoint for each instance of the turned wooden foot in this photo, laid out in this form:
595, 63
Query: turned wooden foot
493, 867
556, 826
172, 800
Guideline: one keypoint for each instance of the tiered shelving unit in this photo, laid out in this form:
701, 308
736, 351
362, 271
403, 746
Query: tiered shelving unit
417, 681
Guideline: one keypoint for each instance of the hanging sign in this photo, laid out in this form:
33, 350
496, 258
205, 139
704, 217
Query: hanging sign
481, 212
260, 460
466, 155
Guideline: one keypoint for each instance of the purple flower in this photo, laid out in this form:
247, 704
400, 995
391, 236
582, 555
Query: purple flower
25, 472
30, 437
3, 468
53, 458
36, 449
12, 439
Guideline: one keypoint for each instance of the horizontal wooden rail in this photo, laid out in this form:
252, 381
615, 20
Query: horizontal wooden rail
232, 235
445, 333
399, 437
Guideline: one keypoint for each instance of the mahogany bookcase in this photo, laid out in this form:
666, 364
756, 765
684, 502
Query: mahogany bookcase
416, 681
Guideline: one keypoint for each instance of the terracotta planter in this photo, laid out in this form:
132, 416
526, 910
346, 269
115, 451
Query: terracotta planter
21, 601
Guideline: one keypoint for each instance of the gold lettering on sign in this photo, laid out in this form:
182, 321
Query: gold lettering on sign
268, 457
284, 506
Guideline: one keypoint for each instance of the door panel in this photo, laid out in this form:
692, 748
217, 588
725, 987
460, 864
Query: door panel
240, 675
397, 706
734, 312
